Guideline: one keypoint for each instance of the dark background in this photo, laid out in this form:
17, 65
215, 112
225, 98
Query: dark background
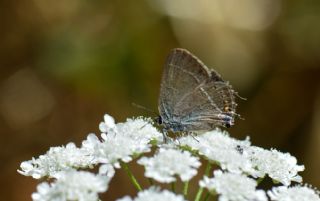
66, 63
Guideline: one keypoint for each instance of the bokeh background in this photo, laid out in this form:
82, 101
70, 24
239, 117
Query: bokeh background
66, 63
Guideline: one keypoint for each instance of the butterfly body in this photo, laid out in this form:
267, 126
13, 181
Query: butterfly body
193, 97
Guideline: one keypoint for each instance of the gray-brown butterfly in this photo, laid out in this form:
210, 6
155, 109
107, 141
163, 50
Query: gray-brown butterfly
193, 97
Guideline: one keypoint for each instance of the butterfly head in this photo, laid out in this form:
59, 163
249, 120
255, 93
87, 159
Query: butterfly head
159, 120
228, 121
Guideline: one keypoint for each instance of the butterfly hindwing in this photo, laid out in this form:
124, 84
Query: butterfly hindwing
192, 97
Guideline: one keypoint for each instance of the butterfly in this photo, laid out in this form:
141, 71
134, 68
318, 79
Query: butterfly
192, 96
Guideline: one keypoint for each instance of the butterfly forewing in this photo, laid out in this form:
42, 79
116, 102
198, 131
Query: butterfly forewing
192, 97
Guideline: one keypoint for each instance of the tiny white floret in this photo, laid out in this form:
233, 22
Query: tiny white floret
108, 124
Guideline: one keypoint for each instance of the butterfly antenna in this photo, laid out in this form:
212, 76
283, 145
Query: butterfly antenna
242, 98
239, 116
144, 108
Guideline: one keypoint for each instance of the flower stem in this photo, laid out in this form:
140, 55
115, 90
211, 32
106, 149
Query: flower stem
208, 168
173, 187
132, 178
200, 191
206, 197
150, 181
185, 188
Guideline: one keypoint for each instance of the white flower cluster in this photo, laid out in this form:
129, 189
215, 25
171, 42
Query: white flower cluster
120, 142
154, 194
281, 167
72, 185
238, 156
233, 187
123, 140
57, 159
239, 187
169, 162
241, 164
295, 193
219, 147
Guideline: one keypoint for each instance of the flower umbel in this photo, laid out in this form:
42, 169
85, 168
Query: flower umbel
295, 193
170, 162
57, 159
154, 194
281, 167
219, 147
72, 185
233, 187
240, 157
122, 141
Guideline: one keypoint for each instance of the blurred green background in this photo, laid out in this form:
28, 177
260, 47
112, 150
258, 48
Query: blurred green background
66, 63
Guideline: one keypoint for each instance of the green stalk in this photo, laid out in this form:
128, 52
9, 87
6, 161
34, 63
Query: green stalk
150, 181
173, 186
185, 188
132, 178
200, 191
206, 197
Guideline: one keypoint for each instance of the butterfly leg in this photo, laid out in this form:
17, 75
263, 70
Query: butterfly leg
165, 135
192, 134
143, 126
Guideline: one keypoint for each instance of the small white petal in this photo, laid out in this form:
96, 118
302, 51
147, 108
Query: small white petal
103, 127
109, 121
107, 169
233, 187
43, 191
109, 125
27, 169
91, 143
170, 162
295, 193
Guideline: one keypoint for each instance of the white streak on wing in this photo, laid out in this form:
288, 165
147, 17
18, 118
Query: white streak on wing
165, 110
185, 71
204, 118
210, 99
